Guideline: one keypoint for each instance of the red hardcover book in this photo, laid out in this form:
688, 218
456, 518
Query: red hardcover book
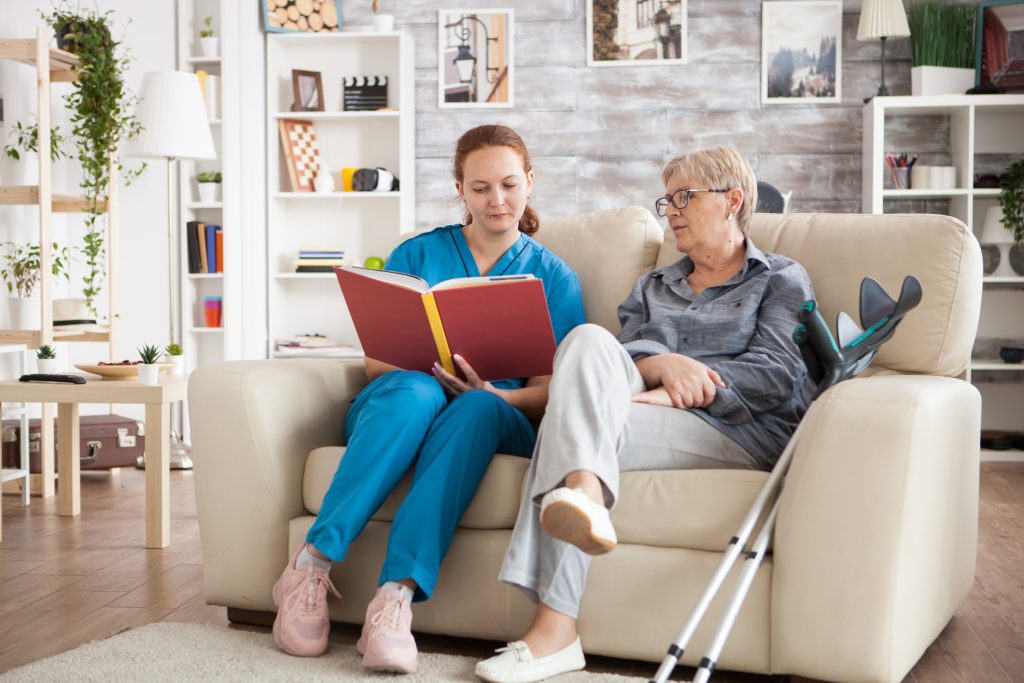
500, 325
219, 240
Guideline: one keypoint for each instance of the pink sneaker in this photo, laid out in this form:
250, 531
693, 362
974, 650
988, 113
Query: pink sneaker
302, 621
387, 643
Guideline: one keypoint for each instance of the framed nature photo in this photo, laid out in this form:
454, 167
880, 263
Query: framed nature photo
304, 16
801, 51
307, 91
636, 32
999, 56
474, 58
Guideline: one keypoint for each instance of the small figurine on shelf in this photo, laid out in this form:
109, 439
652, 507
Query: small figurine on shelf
46, 360
149, 370
323, 182
208, 41
176, 355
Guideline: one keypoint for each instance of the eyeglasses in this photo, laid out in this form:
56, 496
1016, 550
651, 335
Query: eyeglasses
680, 199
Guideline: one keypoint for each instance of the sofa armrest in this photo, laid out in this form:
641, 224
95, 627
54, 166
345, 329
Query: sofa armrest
253, 425
877, 531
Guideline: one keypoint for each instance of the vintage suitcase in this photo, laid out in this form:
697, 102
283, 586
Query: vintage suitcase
107, 441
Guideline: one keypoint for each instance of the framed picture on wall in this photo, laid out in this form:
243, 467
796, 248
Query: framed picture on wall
303, 16
636, 32
999, 56
801, 51
475, 58
307, 91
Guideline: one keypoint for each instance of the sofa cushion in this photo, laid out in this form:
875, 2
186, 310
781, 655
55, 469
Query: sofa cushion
699, 509
935, 339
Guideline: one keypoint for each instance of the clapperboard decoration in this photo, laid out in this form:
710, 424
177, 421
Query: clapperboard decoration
365, 93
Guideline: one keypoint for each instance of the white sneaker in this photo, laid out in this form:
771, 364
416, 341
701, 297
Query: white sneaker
516, 664
571, 516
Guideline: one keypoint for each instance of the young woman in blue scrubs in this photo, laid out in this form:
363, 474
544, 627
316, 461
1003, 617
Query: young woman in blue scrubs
447, 429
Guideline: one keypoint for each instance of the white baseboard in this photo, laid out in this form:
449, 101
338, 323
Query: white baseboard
1011, 455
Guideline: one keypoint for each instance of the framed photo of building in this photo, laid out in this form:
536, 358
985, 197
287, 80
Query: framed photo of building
475, 58
801, 51
999, 60
636, 32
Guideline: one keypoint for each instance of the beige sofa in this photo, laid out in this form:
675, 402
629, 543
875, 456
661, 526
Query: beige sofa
876, 537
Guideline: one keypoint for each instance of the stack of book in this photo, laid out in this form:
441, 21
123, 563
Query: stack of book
205, 247
319, 261
210, 86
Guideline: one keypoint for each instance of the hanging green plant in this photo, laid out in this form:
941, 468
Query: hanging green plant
1011, 200
101, 116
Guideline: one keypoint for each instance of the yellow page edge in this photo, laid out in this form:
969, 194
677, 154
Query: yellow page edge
434, 318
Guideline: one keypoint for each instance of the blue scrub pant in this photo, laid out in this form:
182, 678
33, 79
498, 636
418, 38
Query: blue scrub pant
403, 418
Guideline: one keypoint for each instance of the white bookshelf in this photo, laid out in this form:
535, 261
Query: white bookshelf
362, 224
982, 129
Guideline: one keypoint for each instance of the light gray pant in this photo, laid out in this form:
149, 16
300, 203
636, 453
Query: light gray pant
592, 424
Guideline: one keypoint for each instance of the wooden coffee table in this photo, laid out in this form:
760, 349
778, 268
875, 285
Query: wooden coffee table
157, 399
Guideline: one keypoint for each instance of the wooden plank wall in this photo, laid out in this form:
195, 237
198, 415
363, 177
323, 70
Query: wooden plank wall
599, 136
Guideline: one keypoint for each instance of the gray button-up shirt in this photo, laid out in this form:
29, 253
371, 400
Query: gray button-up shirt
743, 329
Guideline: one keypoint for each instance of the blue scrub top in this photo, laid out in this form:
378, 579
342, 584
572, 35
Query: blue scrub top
443, 254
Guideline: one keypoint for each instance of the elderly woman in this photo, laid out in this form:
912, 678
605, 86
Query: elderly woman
704, 374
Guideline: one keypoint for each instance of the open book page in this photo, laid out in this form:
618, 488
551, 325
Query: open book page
401, 279
484, 280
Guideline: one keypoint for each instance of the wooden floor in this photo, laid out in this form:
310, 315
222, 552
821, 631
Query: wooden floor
67, 581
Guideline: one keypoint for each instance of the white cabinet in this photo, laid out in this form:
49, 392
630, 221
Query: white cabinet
361, 224
977, 134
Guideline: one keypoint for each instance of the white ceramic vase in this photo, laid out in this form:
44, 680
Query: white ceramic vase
209, 46
148, 373
25, 313
383, 23
46, 366
179, 364
209, 193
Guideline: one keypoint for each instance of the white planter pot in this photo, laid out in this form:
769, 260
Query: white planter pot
148, 373
209, 193
46, 366
383, 23
940, 80
25, 313
209, 46
179, 364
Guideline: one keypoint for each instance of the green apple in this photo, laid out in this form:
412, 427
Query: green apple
375, 262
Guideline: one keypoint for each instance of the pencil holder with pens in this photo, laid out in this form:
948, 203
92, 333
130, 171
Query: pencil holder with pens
898, 170
899, 178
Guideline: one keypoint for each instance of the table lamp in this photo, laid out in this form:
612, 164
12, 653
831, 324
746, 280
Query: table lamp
174, 126
879, 20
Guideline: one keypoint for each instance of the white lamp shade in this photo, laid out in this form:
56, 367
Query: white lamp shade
882, 19
173, 118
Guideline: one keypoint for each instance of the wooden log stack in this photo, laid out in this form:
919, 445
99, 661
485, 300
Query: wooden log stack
315, 16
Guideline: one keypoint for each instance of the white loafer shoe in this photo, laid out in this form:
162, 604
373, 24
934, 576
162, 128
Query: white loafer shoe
516, 664
571, 516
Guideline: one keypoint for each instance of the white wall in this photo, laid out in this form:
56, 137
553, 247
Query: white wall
147, 32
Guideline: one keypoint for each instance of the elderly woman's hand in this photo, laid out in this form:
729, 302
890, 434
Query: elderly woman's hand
687, 383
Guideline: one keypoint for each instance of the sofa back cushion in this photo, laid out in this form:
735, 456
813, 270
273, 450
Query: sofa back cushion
609, 250
839, 250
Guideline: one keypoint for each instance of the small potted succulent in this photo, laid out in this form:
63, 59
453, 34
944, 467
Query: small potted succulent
176, 355
208, 41
149, 370
209, 186
46, 360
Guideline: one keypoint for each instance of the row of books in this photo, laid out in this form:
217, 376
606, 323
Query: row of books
205, 247
319, 261
210, 85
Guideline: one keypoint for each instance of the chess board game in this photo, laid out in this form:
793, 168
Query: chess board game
301, 154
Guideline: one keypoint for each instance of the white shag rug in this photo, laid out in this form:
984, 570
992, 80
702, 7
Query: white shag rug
168, 651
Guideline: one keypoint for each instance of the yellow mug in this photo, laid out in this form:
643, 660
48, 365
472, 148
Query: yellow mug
346, 178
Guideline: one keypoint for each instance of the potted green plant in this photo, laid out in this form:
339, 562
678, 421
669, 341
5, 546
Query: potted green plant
149, 370
208, 183
101, 117
46, 359
21, 274
208, 41
176, 355
942, 40
1011, 201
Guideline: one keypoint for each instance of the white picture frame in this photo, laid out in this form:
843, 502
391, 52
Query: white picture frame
638, 34
801, 28
478, 44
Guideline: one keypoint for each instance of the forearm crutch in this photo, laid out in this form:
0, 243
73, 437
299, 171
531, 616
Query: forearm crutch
828, 363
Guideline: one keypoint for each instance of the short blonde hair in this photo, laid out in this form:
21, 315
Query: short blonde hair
719, 167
